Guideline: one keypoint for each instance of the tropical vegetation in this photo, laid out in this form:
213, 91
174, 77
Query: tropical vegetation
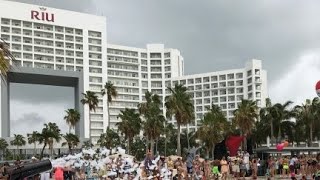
180, 106
214, 127
72, 118
111, 92
153, 122
49, 135
18, 141
71, 140
146, 128
130, 125
5, 58
33, 138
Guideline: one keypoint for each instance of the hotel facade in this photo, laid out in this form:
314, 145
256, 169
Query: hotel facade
62, 43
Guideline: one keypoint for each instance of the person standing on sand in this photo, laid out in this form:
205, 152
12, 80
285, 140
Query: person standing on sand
58, 173
224, 168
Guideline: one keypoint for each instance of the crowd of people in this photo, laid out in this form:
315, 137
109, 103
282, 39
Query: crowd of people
92, 164
306, 166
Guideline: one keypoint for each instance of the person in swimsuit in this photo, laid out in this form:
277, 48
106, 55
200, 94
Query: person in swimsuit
58, 173
303, 163
215, 168
285, 166
224, 168
254, 168
207, 169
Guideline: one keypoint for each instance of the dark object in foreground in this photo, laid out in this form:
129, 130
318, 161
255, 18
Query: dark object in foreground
28, 169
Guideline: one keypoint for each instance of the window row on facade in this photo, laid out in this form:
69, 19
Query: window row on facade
39, 26
136, 54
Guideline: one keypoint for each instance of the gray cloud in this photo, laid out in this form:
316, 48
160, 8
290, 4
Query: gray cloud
27, 123
29, 118
29, 111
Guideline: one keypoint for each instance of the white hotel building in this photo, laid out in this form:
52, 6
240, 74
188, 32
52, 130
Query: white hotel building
48, 38
225, 88
60, 40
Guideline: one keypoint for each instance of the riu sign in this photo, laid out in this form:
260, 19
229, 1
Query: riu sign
42, 15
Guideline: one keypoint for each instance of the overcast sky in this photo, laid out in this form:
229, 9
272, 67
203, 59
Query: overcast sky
221, 34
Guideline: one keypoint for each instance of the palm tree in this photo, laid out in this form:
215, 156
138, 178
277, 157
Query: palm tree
33, 138
168, 132
245, 116
213, 128
109, 139
308, 113
72, 141
111, 92
267, 115
130, 125
49, 134
87, 144
72, 118
3, 146
281, 114
91, 99
153, 123
18, 141
179, 104
5, 57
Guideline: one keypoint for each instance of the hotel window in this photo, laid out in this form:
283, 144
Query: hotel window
144, 55
239, 83
5, 21
239, 75
230, 83
231, 76
190, 81
198, 80
214, 78
239, 90
222, 77
155, 55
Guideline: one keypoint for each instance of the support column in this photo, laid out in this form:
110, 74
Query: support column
5, 108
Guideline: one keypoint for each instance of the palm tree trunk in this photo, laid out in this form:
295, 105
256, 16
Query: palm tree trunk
245, 143
165, 147
34, 148
272, 133
147, 145
279, 132
178, 141
69, 129
90, 128
108, 113
70, 149
207, 152
212, 151
188, 138
157, 142
311, 133
51, 149
128, 145
41, 154
152, 146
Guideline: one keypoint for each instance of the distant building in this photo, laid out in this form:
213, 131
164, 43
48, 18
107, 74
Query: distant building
225, 88
135, 70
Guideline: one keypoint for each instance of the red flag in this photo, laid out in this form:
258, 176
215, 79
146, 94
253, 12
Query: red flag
233, 143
